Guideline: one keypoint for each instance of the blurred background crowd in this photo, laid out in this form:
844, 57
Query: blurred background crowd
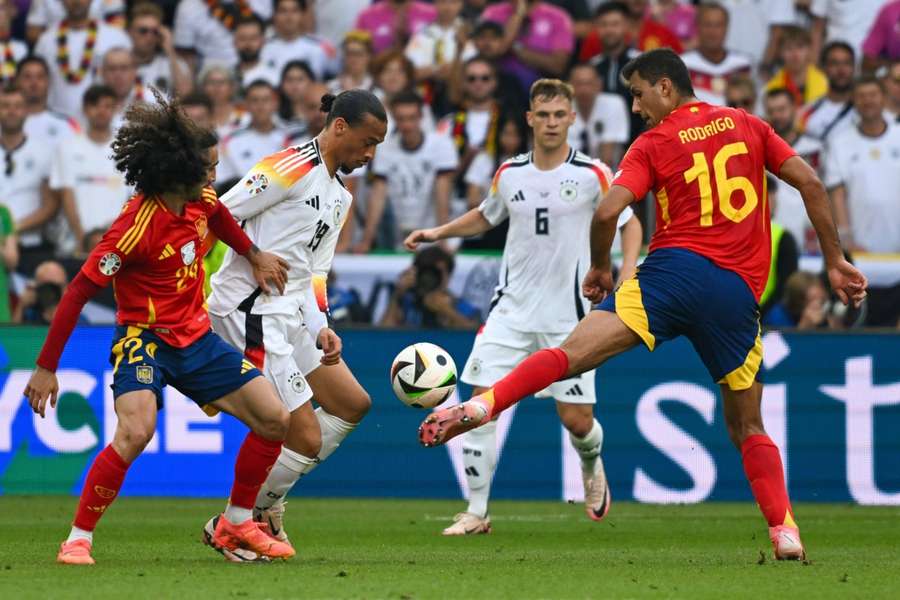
454, 75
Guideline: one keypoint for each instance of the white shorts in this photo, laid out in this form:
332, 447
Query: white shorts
498, 349
281, 343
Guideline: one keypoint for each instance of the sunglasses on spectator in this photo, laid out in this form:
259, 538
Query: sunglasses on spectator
146, 30
481, 78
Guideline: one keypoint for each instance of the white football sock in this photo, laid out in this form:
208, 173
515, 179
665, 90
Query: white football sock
80, 534
588, 447
334, 430
288, 468
480, 459
237, 515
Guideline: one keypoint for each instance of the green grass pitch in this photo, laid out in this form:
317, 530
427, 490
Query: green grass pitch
150, 548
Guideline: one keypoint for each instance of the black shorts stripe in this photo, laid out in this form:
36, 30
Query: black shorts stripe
246, 304
579, 305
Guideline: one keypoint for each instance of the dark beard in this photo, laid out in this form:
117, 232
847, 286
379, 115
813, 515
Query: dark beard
249, 56
345, 169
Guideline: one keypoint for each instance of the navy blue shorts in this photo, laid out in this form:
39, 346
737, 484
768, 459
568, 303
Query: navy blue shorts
204, 371
678, 292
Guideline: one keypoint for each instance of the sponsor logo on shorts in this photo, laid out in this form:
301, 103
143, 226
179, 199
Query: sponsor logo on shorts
110, 264
297, 383
256, 184
144, 374
104, 492
575, 390
188, 253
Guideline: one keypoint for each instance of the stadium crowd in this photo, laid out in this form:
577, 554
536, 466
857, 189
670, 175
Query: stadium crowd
454, 76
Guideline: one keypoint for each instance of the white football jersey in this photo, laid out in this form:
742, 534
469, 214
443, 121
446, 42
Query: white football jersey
289, 205
710, 79
547, 248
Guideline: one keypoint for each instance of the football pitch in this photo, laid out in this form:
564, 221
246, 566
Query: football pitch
150, 548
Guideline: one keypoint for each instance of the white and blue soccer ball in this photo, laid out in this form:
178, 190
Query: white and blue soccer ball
423, 375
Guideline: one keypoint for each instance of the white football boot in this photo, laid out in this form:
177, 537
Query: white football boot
597, 498
274, 518
465, 523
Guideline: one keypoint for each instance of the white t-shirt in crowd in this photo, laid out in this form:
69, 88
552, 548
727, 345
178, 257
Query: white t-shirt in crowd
790, 211
85, 167
263, 72
277, 52
48, 13
196, 29
66, 97
246, 147
608, 122
436, 45
158, 73
869, 169
824, 118
749, 22
410, 175
547, 248
21, 189
848, 20
710, 79
51, 126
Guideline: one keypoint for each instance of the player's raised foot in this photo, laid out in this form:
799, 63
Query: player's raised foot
249, 536
786, 542
597, 498
76, 552
273, 518
466, 523
443, 425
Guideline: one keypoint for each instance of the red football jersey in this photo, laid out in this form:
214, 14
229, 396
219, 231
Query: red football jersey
706, 165
155, 260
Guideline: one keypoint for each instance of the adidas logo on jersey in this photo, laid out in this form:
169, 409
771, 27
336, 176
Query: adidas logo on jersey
167, 252
519, 197
314, 202
575, 390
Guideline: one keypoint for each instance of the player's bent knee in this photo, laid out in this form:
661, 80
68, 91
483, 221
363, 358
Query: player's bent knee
274, 426
132, 436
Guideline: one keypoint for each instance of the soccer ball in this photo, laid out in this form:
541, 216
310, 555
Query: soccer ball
423, 375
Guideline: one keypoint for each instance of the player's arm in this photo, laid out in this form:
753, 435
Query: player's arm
598, 282
846, 280
314, 303
632, 238
266, 266
472, 223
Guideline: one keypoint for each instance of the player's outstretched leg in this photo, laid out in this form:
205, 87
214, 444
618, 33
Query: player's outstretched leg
586, 436
597, 337
480, 461
258, 406
136, 424
313, 436
764, 469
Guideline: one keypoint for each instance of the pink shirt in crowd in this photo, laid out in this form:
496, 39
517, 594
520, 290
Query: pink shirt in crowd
378, 20
546, 29
883, 40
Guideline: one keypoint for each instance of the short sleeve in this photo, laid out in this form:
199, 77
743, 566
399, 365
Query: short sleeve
834, 172
479, 171
264, 187
493, 208
445, 157
635, 173
116, 250
776, 149
61, 175
616, 121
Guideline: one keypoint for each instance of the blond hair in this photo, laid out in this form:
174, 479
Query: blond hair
547, 89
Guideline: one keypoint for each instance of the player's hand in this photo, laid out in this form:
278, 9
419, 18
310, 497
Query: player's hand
847, 282
419, 236
268, 267
597, 285
330, 343
42, 385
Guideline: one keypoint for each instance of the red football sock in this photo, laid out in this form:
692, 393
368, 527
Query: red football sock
101, 486
531, 375
764, 470
254, 460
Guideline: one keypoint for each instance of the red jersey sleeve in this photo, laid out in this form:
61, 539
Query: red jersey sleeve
634, 172
117, 248
776, 149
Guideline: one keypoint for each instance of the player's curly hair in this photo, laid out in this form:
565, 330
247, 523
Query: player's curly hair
159, 149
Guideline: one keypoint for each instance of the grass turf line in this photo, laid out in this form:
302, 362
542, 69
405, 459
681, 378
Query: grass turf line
149, 548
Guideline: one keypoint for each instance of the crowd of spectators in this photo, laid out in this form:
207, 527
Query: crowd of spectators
454, 75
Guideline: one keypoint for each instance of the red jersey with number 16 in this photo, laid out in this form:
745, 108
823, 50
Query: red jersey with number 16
154, 259
706, 165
